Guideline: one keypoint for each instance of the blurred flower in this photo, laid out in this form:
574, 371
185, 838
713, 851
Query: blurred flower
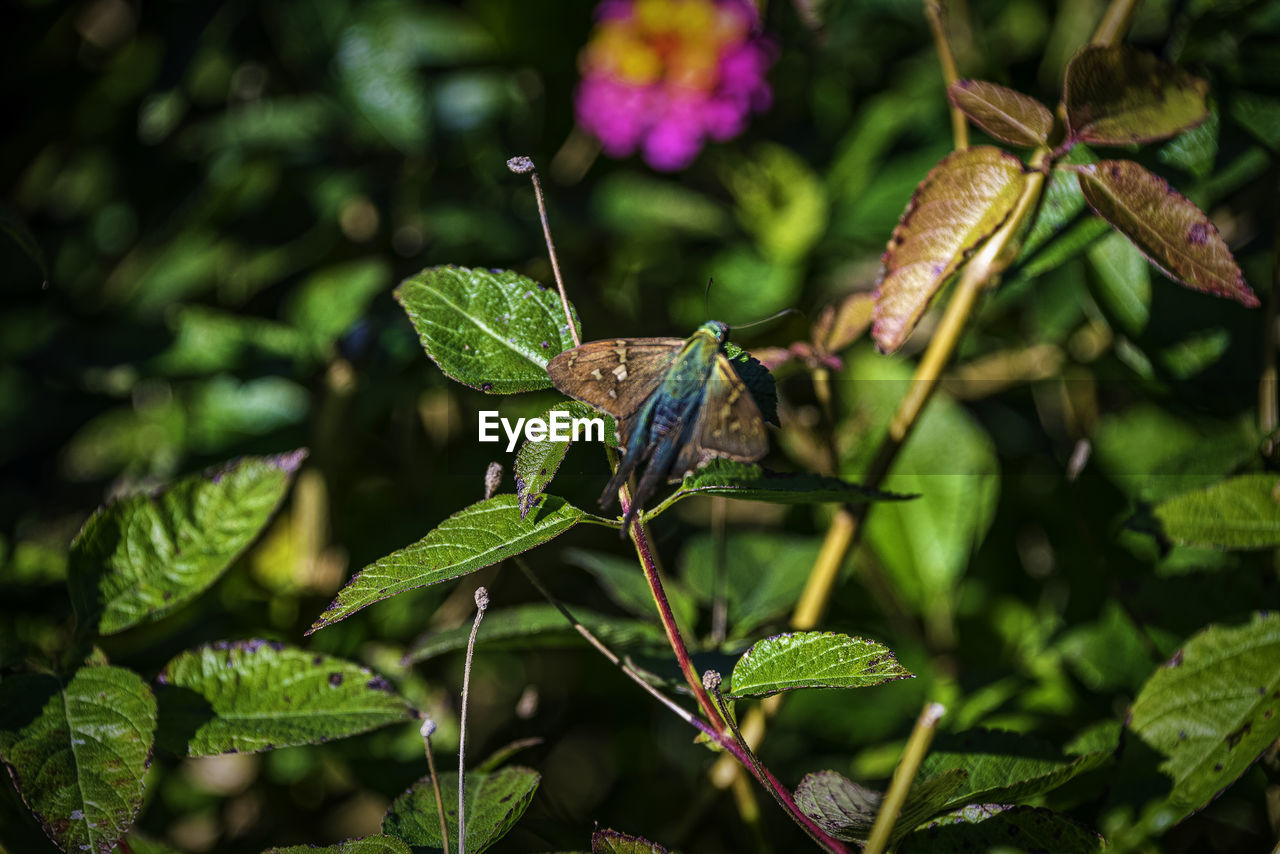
664, 75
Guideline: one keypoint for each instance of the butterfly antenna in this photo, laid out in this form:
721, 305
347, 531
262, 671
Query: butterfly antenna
706, 298
773, 316
522, 166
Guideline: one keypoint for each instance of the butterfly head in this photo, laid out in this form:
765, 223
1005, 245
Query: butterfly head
718, 330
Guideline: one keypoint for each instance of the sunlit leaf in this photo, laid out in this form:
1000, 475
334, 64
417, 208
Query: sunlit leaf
958, 205
1117, 95
779, 200
143, 556
538, 461
613, 842
813, 660
1210, 711
378, 844
494, 803
539, 624
1238, 513
1003, 767
750, 482
78, 751
471, 539
491, 330
1001, 827
1173, 233
249, 696
1007, 115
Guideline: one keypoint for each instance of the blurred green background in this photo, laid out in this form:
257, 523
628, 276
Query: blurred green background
206, 207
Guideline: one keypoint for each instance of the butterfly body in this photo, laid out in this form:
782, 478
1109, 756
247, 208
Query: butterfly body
678, 404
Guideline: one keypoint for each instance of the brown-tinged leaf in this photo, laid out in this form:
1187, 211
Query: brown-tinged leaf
1168, 228
959, 204
1007, 115
1118, 95
842, 323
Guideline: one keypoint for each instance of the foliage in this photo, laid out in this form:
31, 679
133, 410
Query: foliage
1071, 545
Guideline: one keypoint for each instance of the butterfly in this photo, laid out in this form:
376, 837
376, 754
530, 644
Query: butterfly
678, 404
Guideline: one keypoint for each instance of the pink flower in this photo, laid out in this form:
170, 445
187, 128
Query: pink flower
663, 76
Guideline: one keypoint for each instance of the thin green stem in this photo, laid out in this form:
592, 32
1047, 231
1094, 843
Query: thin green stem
912, 755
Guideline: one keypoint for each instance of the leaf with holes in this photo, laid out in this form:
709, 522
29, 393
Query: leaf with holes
1238, 513
141, 557
494, 804
1116, 95
491, 330
1212, 710
1007, 115
250, 696
813, 660
471, 539
537, 461
78, 751
613, 842
958, 205
1168, 228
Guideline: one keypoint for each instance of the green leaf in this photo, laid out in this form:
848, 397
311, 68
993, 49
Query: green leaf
847, 811
471, 539
625, 584
1124, 282
613, 842
538, 624
1194, 150
750, 482
1238, 513
538, 461
639, 204
958, 205
758, 380
332, 300
999, 827
1007, 115
139, 558
780, 201
1173, 233
491, 330
494, 802
764, 574
78, 751
1211, 710
813, 660
140, 844
250, 696
1003, 767
1117, 95
378, 844
1063, 226
1260, 115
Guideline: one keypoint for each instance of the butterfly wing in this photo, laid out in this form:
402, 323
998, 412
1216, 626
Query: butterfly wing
728, 425
616, 376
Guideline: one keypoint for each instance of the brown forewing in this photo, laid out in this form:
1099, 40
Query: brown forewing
615, 376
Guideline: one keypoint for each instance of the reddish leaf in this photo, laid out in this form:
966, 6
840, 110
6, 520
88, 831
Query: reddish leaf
841, 324
1168, 228
958, 205
1007, 115
1118, 95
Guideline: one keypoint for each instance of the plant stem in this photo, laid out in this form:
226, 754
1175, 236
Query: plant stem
959, 124
522, 165
1115, 22
428, 727
482, 602
912, 756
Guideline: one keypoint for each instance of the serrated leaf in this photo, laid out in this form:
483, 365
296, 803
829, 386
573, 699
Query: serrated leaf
78, 751
614, 842
538, 461
756, 377
1212, 710
1117, 95
471, 539
1168, 228
491, 330
538, 624
1239, 513
990, 827
250, 696
847, 811
1003, 767
494, 802
750, 482
813, 660
139, 558
1007, 115
958, 205
378, 844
